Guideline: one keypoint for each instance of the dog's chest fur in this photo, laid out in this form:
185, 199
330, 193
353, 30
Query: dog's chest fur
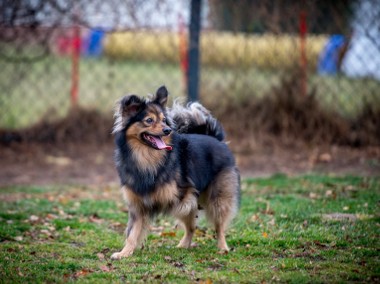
167, 198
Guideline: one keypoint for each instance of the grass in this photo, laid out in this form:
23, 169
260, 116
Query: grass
286, 231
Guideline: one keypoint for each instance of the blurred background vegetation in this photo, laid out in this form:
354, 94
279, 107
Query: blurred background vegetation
306, 70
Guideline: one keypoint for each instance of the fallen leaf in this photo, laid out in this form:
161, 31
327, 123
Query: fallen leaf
105, 250
349, 187
51, 228
274, 267
20, 273
63, 200
106, 268
265, 234
168, 234
340, 217
45, 232
33, 218
313, 195
51, 216
305, 224
178, 264
215, 266
117, 224
200, 232
82, 272
156, 229
272, 222
100, 256
207, 281
254, 218
18, 238
95, 219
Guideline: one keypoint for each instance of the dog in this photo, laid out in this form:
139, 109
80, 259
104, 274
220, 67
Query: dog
173, 161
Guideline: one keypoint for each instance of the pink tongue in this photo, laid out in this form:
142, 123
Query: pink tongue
160, 143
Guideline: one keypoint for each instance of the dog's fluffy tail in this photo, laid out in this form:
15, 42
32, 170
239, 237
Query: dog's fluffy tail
195, 119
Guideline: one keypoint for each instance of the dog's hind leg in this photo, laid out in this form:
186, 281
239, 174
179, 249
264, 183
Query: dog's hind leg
222, 202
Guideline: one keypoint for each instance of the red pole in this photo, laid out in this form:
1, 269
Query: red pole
76, 46
183, 54
303, 58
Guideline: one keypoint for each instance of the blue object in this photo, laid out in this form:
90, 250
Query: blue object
95, 43
329, 57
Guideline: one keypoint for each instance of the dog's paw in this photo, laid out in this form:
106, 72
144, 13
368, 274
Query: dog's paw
223, 249
183, 245
116, 256
120, 255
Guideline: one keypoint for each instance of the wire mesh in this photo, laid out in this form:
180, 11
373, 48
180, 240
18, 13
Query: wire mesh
59, 54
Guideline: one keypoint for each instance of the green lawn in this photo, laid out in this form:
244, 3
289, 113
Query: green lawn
30, 91
319, 229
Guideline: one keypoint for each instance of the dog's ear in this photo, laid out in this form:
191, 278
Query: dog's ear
130, 105
161, 96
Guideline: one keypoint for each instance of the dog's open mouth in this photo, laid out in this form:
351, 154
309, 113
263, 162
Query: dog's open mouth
156, 142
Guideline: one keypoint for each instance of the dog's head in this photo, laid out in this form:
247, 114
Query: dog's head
144, 121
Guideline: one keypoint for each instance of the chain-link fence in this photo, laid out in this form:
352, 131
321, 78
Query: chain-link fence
58, 54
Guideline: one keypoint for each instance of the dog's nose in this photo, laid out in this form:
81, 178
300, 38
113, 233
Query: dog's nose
167, 130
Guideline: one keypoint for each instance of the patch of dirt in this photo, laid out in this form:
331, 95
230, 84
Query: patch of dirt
41, 164
79, 125
92, 164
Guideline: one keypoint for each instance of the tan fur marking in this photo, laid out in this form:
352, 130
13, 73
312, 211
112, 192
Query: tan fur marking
187, 205
132, 199
221, 203
146, 157
165, 194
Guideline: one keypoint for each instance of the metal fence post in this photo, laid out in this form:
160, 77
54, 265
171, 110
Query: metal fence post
195, 28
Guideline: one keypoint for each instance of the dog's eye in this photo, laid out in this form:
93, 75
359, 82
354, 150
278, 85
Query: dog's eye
149, 120
164, 120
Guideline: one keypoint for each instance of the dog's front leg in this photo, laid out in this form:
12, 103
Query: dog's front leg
137, 225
